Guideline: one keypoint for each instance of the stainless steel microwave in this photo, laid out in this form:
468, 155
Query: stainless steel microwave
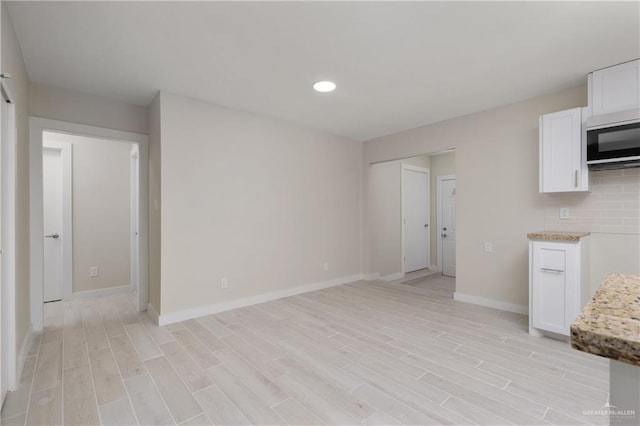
614, 146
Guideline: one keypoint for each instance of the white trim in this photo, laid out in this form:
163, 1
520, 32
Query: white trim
66, 157
103, 292
36, 126
151, 312
173, 317
404, 167
8, 156
439, 180
392, 277
24, 351
490, 303
371, 277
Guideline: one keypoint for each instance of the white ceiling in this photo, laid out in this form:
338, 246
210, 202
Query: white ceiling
397, 65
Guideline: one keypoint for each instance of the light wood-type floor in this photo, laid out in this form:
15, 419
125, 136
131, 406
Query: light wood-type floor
363, 353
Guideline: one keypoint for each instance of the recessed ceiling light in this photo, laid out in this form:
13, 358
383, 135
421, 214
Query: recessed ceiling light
324, 86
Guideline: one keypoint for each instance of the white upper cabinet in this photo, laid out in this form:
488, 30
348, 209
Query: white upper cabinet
615, 88
562, 152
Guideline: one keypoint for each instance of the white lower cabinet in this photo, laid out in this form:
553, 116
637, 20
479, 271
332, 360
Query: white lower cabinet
558, 284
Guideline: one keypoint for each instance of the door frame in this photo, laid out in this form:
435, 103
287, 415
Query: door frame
8, 251
66, 158
439, 181
39, 125
410, 167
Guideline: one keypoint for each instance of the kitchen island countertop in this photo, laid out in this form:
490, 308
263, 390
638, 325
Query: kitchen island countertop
609, 325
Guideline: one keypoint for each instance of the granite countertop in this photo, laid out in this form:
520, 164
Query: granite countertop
609, 325
557, 236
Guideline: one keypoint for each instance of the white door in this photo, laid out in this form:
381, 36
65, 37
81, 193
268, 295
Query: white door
7, 236
52, 209
447, 203
134, 216
4, 367
415, 208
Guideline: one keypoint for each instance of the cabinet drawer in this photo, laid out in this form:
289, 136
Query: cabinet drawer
553, 260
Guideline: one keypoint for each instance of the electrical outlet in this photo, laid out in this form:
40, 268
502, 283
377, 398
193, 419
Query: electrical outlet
564, 212
488, 247
325, 266
93, 271
224, 283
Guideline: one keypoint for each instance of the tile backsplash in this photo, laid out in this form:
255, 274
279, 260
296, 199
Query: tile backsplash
612, 206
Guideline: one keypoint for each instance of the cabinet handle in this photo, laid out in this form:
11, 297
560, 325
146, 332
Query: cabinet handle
558, 271
576, 178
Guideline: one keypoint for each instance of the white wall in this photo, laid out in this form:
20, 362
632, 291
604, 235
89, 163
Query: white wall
259, 201
75, 107
497, 192
13, 63
101, 211
385, 207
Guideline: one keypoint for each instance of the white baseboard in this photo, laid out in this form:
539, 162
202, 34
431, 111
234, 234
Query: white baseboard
102, 292
490, 303
170, 318
152, 313
24, 351
392, 277
371, 277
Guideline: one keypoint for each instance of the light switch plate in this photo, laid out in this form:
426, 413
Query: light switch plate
564, 212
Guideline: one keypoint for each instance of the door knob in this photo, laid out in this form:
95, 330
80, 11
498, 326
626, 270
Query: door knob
444, 229
443, 235
54, 236
426, 225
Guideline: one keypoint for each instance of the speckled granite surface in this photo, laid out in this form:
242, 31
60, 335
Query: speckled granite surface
557, 236
609, 325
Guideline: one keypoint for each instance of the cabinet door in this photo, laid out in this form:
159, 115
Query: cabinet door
561, 168
615, 88
554, 286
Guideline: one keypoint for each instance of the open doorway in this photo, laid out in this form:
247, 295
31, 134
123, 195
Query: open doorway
90, 241
408, 211
88, 223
